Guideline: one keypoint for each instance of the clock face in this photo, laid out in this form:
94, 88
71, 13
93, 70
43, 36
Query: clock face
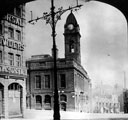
70, 26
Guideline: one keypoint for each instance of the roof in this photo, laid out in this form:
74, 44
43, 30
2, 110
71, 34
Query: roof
71, 19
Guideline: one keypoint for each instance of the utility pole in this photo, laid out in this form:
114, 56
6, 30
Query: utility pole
52, 19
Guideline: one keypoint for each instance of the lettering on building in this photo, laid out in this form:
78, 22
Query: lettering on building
13, 70
14, 20
11, 44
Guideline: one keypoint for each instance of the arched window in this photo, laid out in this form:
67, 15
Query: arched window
71, 46
14, 86
63, 98
47, 99
38, 102
38, 99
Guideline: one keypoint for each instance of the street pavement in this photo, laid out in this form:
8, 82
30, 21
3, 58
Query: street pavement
48, 115
66, 115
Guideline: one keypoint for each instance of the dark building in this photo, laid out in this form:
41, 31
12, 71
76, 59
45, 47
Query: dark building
13, 72
125, 97
74, 84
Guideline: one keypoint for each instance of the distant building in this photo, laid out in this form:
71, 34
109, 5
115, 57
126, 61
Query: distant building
74, 84
106, 105
125, 97
13, 72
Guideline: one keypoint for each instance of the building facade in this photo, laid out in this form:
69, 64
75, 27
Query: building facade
103, 104
74, 84
12, 63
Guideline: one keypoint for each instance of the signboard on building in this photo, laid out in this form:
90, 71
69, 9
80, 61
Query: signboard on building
13, 70
11, 44
13, 19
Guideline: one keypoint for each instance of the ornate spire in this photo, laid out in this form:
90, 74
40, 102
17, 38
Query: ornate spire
71, 19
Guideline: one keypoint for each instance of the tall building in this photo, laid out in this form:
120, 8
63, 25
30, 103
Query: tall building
12, 63
74, 84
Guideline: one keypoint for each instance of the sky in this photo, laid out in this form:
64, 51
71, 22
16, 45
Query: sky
104, 45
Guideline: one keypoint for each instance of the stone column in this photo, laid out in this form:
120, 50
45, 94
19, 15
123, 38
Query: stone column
24, 99
6, 101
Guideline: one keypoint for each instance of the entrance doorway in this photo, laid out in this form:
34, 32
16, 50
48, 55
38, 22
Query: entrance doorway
38, 102
63, 102
15, 99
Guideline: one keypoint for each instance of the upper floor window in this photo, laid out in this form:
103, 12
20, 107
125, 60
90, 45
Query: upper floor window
71, 47
18, 35
18, 60
62, 81
11, 58
10, 32
18, 11
47, 81
38, 81
1, 29
0, 56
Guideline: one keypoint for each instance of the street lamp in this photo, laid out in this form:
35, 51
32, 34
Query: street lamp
52, 19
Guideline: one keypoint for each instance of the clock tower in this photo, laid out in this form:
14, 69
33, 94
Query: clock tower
72, 39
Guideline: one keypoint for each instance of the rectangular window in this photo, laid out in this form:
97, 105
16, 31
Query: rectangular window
18, 60
18, 35
10, 32
62, 81
38, 81
11, 58
47, 81
0, 56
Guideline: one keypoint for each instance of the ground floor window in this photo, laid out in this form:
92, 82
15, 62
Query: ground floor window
38, 102
63, 102
47, 101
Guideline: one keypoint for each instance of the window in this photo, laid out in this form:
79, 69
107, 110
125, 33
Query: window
38, 81
47, 99
18, 11
0, 29
18, 35
47, 81
62, 81
0, 56
10, 32
63, 98
18, 60
71, 47
11, 58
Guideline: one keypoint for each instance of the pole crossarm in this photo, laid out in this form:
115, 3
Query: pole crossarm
57, 15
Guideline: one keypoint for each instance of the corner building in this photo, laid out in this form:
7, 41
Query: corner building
74, 85
12, 63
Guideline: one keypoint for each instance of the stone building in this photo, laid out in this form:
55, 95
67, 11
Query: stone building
12, 63
74, 84
103, 104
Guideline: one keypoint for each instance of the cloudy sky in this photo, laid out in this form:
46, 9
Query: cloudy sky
103, 28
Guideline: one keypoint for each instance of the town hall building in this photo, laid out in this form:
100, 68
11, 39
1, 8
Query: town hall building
74, 85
